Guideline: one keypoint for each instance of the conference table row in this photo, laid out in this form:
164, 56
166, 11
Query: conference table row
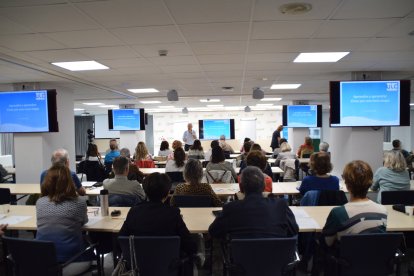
309, 219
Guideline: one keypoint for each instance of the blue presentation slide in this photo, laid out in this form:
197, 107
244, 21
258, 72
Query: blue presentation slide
24, 111
126, 119
302, 115
374, 103
214, 128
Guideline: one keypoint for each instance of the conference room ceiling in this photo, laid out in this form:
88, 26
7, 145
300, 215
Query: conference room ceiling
211, 44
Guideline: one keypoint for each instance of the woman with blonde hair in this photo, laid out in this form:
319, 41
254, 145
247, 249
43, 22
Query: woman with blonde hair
285, 153
393, 176
141, 152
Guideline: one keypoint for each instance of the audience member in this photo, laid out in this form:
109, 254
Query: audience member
255, 216
393, 176
175, 145
320, 164
3, 228
120, 185
176, 164
306, 148
196, 151
396, 146
193, 173
112, 153
218, 162
256, 159
61, 214
92, 166
276, 138
247, 139
214, 143
241, 159
141, 152
223, 144
285, 153
257, 147
92, 153
61, 157
277, 150
324, 147
164, 149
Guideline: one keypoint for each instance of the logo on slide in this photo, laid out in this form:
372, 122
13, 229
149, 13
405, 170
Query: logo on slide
40, 96
392, 86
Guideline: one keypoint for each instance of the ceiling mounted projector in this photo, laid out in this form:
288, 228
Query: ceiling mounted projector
258, 94
172, 95
247, 109
185, 110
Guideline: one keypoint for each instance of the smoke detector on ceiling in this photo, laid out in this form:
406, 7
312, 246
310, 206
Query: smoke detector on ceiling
295, 8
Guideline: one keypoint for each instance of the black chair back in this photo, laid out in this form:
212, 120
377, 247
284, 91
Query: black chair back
118, 200
332, 198
397, 197
192, 201
368, 254
264, 257
154, 255
5, 196
32, 257
93, 169
176, 176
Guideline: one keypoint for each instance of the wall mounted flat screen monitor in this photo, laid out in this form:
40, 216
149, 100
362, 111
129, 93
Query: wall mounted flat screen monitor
213, 129
302, 115
28, 111
369, 103
126, 119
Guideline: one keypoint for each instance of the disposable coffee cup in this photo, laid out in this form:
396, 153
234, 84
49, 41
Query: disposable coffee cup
409, 210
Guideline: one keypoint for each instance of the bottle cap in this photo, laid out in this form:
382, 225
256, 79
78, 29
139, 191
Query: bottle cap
104, 192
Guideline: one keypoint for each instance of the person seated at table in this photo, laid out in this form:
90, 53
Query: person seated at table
257, 147
120, 185
285, 153
393, 176
324, 147
218, 162
278, 149
154, 218
241, 159
223, 144
175, 145
257, 159
164, 149
177, 164
396, 146
209, 153
193, 173
112, 152
92, 166
134, 172
321, 166
306, 149
61, 214
255, 216
141, 153
61, 157
247, 139
196, 151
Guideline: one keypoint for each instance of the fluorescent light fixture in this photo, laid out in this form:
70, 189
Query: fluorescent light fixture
271, 99
320, 57
411, 104
81, 65
150, 102
215, 105
93, 103
143, 90
210, 100
261, 105
285, 86
109, 106
78, 109
166, 106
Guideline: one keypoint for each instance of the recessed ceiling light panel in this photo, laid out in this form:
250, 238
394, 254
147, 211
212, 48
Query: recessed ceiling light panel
150, 102
320, 57
143, 90
93, 103
285, 86
271, 99
81, 65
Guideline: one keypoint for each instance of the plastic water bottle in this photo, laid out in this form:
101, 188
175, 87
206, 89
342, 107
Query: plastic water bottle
103, 198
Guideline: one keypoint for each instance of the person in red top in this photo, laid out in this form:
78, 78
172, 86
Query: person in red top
306, 148
257, 159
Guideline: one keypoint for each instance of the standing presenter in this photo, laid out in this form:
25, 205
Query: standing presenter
189, 136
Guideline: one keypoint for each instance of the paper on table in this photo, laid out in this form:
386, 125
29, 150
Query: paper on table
300, 213
93, 220
13, 219
307, 223
88, 183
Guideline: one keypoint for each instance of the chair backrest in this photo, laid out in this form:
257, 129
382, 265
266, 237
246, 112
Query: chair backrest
118, 200
145, 164
32, 257
270, 256
332, 198
176, 176
94, 170
397, 197
218, 176
5, 196
289, 167
192, 200
368, 254
154, 255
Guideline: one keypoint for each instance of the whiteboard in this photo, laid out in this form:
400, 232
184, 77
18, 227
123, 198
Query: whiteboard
247, 129
101, 128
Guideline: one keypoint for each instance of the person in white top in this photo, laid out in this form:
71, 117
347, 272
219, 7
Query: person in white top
189, 136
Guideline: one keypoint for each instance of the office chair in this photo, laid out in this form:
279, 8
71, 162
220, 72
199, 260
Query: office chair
119, 200
5, 196
150, 259
34, 257
265, 257
397, 197
145, 164
192, 200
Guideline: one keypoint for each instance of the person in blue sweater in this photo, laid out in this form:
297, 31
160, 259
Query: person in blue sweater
321, 166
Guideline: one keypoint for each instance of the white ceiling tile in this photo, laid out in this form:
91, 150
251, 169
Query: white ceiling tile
215, 31
229, 74
181, 68
400, 29
222, 67
186, 75
124, 62
271, 57
335, 44
114, 52
174, 49
284, 29
266, 65
229, 58
20, 3
58, 55
353, 28
177, 60
127, 13
28, 42
200, 11
9, 27
356, 9
82, 39
218, 47
148, 35
277, 45
388, 44
147, 70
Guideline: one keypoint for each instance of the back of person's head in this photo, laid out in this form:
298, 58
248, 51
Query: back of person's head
58, 184
120, 165
222, 137
214, 143
217, 155
193, 171
280, 128
176, 144
320, 163
125, 152
358, 178
196, 145
247, 139
324, 147
247, 146
141, 151
252, 180
60, 157
394, 160
179, 157
396, 144
156, 186
256, 158
285, 147
92, 150
308, 141
164, 145
282, 140
256, 147
113, 144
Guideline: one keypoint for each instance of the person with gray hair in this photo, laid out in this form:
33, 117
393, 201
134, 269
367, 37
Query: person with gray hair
393, 176
193, 173
223, 144
324, 146
61, 157
134, 172
255, 216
